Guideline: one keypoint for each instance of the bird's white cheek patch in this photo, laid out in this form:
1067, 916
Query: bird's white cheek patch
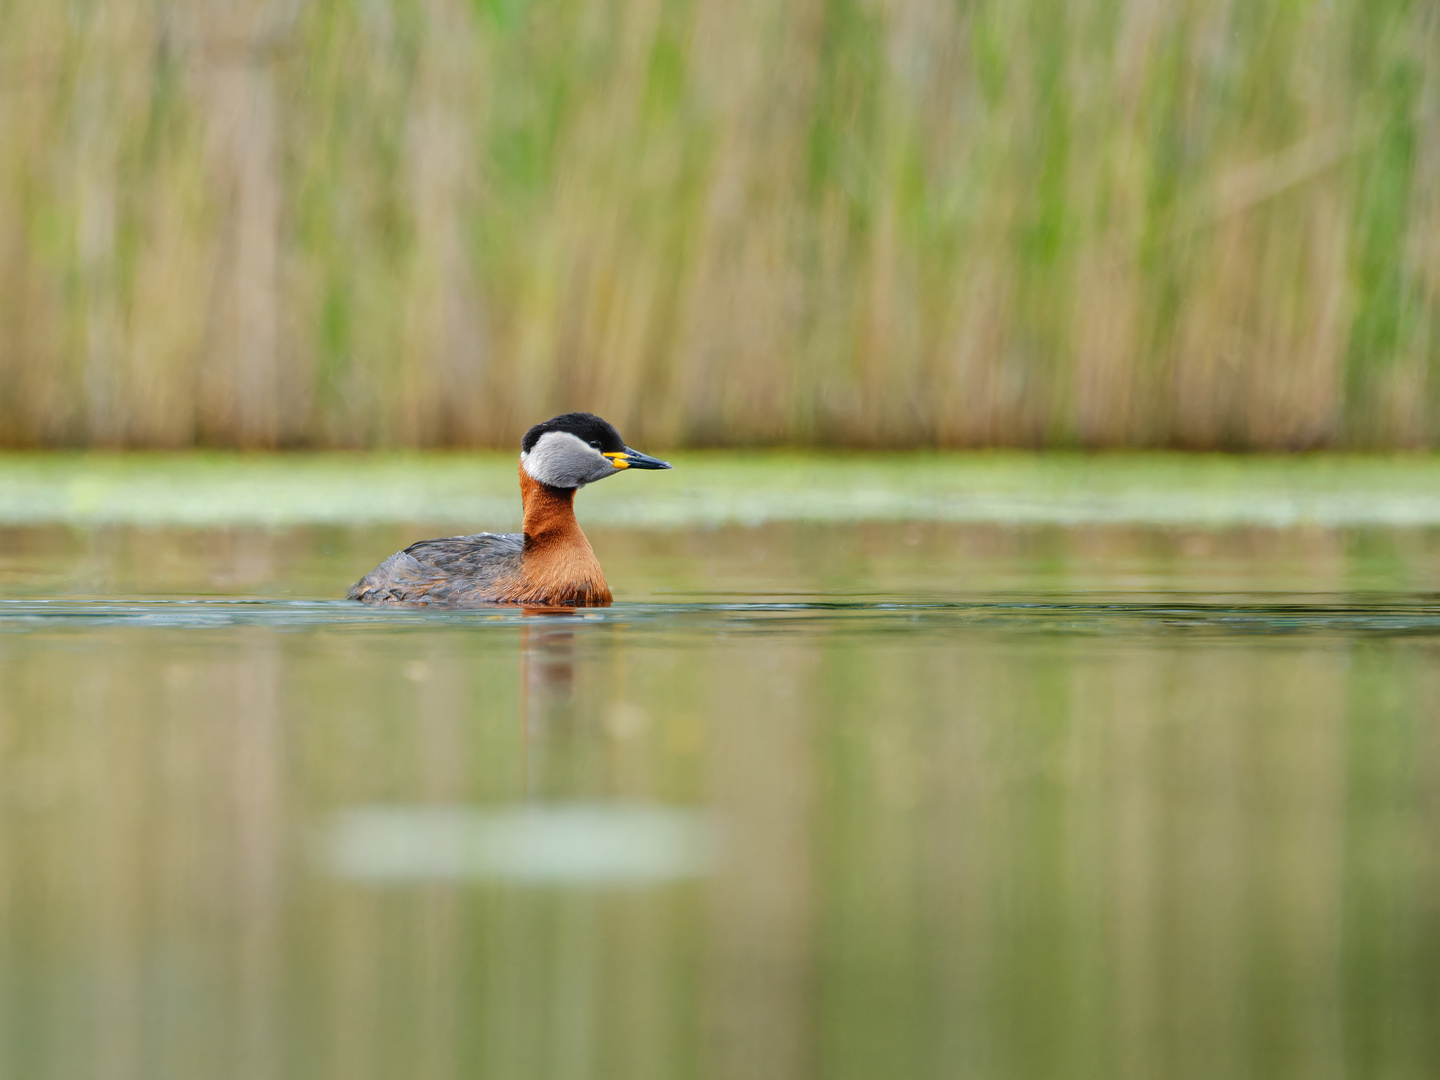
560, 459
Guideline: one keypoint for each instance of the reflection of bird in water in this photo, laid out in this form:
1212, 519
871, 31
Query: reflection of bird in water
547, 699
551, 562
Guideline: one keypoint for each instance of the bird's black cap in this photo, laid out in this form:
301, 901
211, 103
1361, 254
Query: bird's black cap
587, 427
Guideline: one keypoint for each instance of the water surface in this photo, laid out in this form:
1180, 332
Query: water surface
813, 799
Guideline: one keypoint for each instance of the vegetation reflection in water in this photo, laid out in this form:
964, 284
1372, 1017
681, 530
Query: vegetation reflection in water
1077, 814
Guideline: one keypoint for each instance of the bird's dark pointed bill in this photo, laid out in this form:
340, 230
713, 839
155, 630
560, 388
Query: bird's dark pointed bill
635, 460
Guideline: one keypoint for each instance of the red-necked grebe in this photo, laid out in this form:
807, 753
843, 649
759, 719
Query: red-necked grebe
550, 563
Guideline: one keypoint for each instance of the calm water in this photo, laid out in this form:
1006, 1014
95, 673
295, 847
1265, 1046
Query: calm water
830, 801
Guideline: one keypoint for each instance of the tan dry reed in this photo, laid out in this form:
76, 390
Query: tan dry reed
905, 222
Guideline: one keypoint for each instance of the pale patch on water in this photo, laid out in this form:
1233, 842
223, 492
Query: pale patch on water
470, 492
569, 844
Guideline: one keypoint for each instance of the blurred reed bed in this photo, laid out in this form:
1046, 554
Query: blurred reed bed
906, 222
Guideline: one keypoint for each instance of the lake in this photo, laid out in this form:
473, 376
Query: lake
991, 767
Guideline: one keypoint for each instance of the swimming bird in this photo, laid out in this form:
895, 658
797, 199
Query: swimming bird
550, 563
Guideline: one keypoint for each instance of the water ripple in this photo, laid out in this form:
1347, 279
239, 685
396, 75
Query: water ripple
1247, 615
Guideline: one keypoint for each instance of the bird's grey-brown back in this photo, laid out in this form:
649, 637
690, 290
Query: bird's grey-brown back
455, 570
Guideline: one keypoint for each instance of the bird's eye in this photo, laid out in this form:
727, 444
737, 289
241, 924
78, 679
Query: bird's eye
595, 443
